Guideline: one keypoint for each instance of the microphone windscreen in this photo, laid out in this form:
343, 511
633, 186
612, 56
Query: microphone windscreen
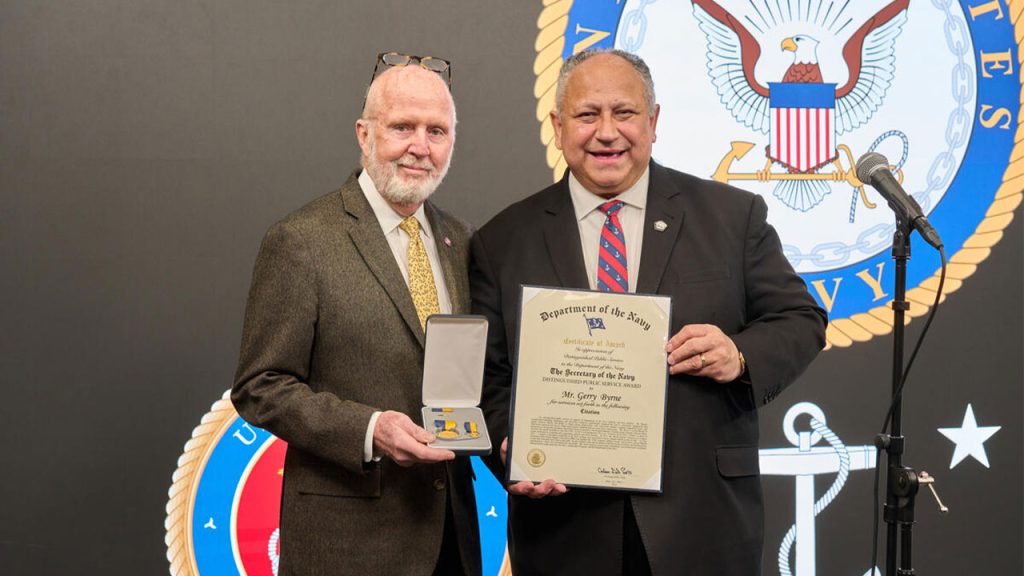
869, 164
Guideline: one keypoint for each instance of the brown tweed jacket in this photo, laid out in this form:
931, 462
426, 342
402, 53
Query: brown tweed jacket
330, 336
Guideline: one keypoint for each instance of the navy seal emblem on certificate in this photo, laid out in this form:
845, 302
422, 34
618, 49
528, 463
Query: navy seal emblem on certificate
588, 404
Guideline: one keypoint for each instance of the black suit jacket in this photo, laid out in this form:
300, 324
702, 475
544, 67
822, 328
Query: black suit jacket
331, 334
722, 264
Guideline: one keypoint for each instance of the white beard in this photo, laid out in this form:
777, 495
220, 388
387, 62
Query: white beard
398, 190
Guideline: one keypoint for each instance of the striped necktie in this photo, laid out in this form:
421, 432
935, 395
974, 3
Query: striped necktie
612, 275
421, 279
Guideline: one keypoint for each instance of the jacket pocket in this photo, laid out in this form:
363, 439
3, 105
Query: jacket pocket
737, 461
330, 481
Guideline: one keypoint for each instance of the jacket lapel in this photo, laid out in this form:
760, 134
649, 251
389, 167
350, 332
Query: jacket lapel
364, 229
664, 208
447, 253
562, 236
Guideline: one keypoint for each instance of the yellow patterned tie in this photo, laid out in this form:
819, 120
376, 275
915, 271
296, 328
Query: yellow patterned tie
421, 279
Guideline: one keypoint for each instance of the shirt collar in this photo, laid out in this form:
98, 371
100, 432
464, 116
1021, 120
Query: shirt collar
585, 201
386, 215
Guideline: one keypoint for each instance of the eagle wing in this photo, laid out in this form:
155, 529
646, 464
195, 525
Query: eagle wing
732, 54
870, 58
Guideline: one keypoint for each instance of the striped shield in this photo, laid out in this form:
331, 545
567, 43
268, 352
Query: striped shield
803, 127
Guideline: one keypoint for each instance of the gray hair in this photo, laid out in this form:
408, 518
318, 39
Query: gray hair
633, 60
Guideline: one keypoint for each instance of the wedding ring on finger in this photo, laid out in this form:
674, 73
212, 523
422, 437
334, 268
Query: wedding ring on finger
703, 361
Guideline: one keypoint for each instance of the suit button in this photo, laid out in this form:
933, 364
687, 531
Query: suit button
439, 484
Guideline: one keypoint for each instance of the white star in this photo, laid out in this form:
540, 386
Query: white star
969, 439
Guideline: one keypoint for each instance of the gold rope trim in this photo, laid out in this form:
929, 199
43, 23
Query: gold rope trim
553, 20
185, 482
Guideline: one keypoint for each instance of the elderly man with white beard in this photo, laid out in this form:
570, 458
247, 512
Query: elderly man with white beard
332, 347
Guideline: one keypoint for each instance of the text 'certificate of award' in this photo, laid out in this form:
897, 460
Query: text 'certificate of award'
588, 403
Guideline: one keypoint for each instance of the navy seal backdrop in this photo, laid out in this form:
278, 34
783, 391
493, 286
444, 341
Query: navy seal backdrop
145, 147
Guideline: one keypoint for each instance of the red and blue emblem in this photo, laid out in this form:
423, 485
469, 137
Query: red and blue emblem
222, 516
223, 506
802, 136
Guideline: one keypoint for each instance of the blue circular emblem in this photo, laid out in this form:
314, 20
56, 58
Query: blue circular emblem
782, 98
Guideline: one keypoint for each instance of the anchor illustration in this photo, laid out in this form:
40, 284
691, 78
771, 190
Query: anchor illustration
803, 463
740, 149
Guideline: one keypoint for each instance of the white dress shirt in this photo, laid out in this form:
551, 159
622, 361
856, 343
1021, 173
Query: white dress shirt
399, 240
591, 220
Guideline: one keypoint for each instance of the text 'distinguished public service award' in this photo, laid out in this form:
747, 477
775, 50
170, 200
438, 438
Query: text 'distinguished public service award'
589, 397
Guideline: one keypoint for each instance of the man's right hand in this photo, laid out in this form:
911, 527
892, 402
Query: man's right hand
526, 488
399, 438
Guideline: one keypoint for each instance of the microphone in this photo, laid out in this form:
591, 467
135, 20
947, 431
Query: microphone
873, 169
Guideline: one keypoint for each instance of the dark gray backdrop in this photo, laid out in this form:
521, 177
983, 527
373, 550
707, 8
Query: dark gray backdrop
145, 146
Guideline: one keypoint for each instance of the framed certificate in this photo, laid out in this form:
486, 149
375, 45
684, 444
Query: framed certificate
588, 401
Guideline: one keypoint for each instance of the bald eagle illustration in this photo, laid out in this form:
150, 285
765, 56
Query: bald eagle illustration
805, 60
733, 53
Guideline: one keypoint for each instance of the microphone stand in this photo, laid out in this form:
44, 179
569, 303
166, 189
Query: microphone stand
902, 483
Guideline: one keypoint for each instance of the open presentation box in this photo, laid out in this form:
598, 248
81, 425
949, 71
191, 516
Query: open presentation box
453, 376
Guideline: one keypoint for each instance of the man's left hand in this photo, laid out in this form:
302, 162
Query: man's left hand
704, 350
526, 488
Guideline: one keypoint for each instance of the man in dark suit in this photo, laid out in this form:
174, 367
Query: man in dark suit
332, 348
744, 328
